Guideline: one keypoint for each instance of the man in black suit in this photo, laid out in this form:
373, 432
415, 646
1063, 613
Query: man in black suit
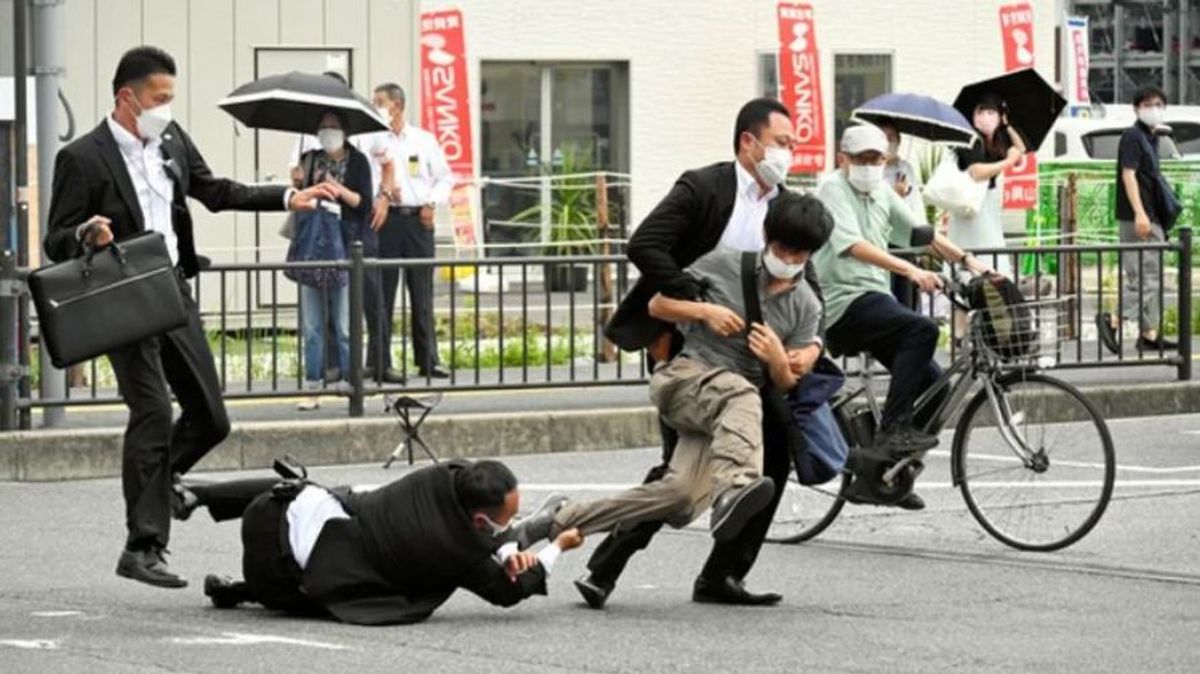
722, 204
132, 174
384, 556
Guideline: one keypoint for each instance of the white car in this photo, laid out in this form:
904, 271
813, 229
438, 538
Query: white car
1096, 137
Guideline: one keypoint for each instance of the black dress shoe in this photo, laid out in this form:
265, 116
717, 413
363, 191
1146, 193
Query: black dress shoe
225, 592
148, 566
733, 509
1108, 336
435, 372
537, 526
730, 590
594, 592
390, 376
903, 440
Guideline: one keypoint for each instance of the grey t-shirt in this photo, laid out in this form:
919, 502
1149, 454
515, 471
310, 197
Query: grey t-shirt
794, 314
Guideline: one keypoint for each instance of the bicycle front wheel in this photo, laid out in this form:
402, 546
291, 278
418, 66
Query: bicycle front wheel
806, 510
1056, 491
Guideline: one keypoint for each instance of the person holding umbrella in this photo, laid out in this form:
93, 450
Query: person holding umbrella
325, 296
999, 149
132, 174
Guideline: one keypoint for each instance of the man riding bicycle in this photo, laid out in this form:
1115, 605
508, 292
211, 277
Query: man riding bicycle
861, 314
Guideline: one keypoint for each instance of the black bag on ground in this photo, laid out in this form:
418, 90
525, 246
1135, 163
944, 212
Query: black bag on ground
107, 299
1007, 323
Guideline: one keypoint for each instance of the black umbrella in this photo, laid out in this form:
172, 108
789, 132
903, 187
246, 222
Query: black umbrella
1033, 104
295, 102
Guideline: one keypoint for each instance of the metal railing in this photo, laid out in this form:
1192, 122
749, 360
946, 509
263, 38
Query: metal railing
507, 324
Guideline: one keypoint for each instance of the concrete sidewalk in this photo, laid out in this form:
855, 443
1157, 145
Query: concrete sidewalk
522, 422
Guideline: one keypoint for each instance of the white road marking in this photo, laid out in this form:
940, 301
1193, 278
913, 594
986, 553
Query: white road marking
55, 614
1008, 458
239, 639
31, 644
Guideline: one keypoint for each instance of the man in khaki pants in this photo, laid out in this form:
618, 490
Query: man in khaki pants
709, 393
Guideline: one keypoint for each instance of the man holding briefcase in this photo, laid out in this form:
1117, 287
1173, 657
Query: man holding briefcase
130, 175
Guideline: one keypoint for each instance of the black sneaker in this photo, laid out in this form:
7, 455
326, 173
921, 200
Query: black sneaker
1108, 336
1159, 343
903, 440
911, 502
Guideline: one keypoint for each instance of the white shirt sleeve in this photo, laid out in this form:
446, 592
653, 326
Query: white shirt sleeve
547, 556
505, 551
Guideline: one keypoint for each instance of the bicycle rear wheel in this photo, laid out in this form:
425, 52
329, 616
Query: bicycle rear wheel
807, 510
1057, 496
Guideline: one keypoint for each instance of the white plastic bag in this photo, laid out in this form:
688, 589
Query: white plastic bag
955, 191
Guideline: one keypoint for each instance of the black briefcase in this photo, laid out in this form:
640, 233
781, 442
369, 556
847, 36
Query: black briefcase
107, 299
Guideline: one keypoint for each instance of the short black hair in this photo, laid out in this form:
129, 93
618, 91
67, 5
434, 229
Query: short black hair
393, 91
483, 485
1146, 93
754, 116
139, 63
335, 75
798, 221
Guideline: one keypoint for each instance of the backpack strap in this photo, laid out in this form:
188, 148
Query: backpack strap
750, 299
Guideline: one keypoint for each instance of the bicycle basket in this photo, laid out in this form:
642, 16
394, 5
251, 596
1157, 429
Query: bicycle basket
1022, 332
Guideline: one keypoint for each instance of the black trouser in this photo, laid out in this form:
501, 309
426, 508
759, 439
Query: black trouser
404, 237
731, 558
379, 321
901, 339
228, 500
154, 447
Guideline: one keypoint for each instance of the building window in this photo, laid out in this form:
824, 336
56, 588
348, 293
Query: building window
857, 78
768, 75
539, 119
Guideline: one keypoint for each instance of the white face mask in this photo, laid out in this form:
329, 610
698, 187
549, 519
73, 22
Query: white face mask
151, 122
1151, 116
773, 167
865, 178
385, 113
780, 269
331, 139
498, 530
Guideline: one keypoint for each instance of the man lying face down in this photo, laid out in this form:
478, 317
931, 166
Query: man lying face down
384, 556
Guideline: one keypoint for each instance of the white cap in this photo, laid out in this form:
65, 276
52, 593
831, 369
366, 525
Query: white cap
864, 138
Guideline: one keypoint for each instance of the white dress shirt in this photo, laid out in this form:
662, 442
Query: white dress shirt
744, 231
155, 189
422, 175
306, 516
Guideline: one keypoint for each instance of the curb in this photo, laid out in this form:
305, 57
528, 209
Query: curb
49, 455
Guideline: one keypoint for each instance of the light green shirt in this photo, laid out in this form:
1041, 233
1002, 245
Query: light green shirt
878, 218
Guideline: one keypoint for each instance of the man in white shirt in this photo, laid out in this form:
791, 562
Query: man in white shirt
130, 175
421, 181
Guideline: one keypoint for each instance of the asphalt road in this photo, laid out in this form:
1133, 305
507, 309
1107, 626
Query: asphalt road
881, 590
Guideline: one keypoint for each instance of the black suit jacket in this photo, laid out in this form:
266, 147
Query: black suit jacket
407, 547
684, 226
90, 178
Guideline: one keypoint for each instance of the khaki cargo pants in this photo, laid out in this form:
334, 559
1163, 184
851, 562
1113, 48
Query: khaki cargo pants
719, 418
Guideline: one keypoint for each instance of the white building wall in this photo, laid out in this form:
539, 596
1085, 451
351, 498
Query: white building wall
693, 64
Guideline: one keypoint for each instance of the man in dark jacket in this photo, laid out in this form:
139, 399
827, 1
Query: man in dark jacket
384, 556
722, 204
129, 175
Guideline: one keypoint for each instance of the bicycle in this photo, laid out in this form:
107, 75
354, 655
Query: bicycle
1020, 435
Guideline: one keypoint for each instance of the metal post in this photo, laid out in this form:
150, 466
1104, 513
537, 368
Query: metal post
1118, 24
1185, 49
47, 67
21, 180
1185, 303
356, 329
10, 371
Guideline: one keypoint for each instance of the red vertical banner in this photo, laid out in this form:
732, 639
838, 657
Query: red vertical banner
446, 110
1016, 31
800, 84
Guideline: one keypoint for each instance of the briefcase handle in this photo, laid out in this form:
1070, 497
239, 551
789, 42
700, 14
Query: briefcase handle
114, 248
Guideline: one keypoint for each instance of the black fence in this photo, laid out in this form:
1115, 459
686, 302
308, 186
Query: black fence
514, 323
